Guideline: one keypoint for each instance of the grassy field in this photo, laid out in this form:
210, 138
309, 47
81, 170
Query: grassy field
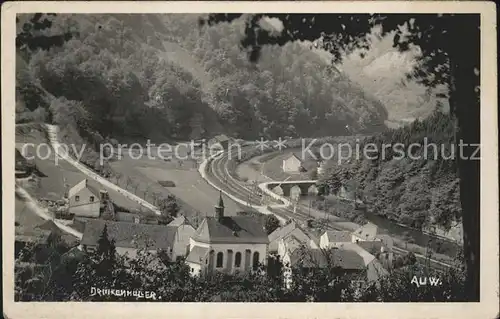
196, 197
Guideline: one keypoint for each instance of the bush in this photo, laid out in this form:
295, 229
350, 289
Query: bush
166, 183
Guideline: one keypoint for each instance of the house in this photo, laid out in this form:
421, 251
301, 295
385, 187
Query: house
25, 236
182, 239
129, 237
349, 262
22, 167
227, 243
378, 249
42, 236
374, 268
333, 238
367, 232
289, 230
292, 164
178, 221
84, 200
219, 141
135, 218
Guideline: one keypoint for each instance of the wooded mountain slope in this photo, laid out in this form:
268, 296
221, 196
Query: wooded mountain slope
419, 187
134, 77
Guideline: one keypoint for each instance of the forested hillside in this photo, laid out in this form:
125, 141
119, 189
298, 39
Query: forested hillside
418, 189
134, 77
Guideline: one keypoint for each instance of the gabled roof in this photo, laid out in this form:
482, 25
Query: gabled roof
178, 221
292, 243
338, 236
197, 255
83, 184
367, 232
371, 246
283, 232
293, 156
231, 229
31, 235
344, 259
354, 247
50, 226
127, 235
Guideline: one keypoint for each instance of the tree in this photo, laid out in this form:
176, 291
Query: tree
31, 36
169, 209
106, 247
271, 223
313, 175
444, 60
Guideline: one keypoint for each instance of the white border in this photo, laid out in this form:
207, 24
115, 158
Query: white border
487, 308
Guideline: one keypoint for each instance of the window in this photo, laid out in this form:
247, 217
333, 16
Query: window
237, 259
77, 198
91, 199
255, 260
220, 260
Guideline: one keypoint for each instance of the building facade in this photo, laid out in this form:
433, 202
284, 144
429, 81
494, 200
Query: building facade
292, 164
84, 200
227, 244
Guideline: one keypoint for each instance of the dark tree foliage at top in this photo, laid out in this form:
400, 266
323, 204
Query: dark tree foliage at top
32, 37
450, 46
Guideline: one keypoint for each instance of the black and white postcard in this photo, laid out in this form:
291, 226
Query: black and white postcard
249, 159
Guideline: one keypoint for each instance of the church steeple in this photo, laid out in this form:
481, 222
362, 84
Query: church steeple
219, 209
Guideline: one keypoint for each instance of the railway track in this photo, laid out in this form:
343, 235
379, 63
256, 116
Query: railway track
218, 169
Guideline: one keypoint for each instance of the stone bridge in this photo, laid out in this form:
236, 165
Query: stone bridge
293, 188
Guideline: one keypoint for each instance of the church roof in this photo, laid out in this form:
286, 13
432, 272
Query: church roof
231, 229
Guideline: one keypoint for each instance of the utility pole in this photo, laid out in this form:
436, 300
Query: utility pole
326, 213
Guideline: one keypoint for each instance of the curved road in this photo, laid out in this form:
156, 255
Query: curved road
219, 175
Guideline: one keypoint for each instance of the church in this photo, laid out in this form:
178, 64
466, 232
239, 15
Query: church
228, 244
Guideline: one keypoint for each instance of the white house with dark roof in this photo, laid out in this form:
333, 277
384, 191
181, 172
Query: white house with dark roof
367, 232
84, 200
348, 261
333, 238
374, 268
292, 164
290, 230
227, 243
